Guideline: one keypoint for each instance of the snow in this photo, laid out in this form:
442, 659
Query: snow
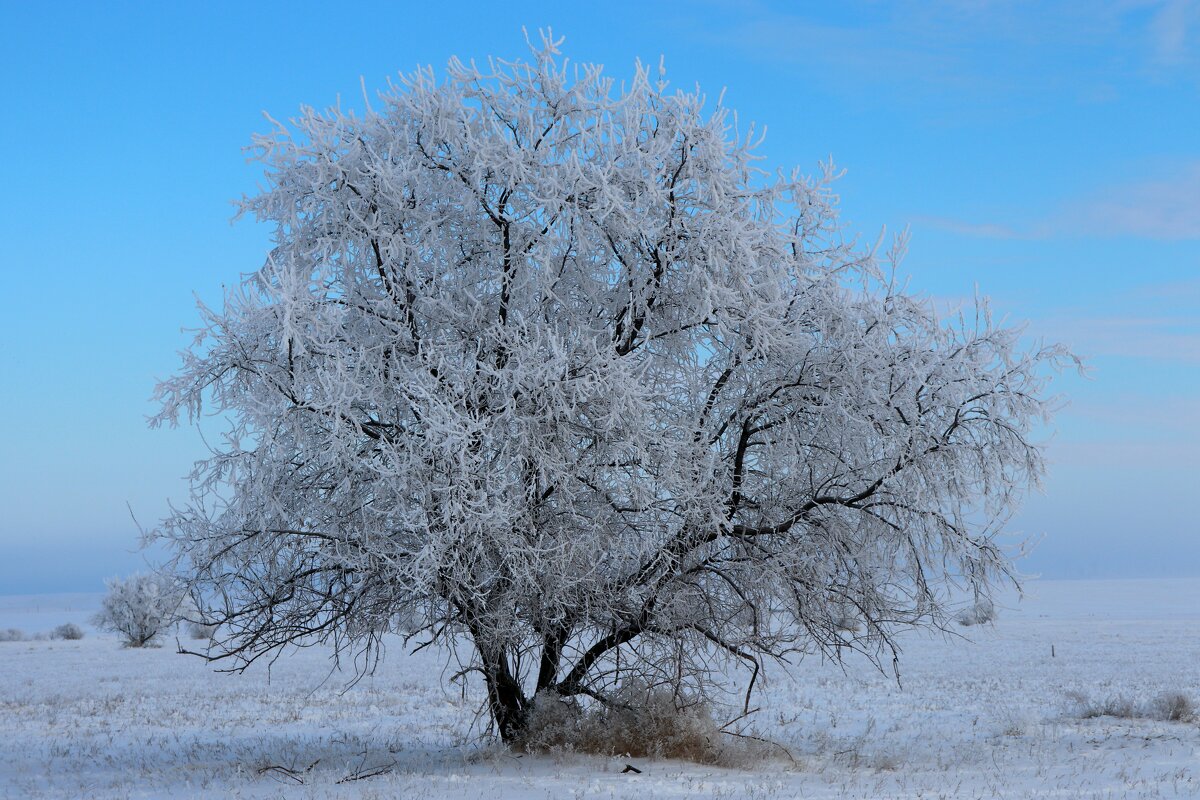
989, 717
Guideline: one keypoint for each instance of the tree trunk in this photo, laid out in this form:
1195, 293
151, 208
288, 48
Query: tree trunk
508, 703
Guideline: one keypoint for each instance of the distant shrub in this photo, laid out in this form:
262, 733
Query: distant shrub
193, 622
69, 631
12, 635
847, 621
140, 607
198, 630
982, 612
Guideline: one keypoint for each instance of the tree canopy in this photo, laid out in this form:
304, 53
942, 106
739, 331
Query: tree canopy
550, 366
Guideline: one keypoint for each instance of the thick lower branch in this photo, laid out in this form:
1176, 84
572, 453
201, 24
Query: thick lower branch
573, 682
552, 647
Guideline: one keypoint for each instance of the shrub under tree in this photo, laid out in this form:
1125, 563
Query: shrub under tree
548, 366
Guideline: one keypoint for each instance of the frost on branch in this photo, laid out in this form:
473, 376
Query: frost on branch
549, 366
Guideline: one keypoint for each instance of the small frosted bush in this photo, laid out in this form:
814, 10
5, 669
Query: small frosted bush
200, 631
982, 612
140, 607
69, 631
193, 622
12, 635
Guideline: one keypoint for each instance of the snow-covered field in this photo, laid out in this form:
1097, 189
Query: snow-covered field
995, 717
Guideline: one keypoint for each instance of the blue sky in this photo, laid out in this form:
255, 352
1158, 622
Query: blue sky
1048, 153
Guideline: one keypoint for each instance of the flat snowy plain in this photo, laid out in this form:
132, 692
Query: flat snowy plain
993, 717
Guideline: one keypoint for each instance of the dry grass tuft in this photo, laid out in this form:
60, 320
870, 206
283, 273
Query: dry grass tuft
1174, 706
640, 723
1170, 706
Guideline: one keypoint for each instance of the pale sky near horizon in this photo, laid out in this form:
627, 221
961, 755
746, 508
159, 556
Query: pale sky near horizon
1048, 154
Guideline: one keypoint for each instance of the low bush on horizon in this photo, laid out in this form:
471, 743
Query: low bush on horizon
68, 631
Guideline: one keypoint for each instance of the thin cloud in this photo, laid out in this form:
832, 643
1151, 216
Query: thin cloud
1123, 454
974, 49
1164, 209
1171, 31
838, 50
1157, 415
1173, 338
1185, 291
983, 230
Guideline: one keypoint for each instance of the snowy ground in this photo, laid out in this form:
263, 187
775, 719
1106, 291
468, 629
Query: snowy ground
991, 718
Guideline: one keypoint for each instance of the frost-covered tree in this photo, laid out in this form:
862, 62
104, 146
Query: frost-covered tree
139, 607
547, 366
